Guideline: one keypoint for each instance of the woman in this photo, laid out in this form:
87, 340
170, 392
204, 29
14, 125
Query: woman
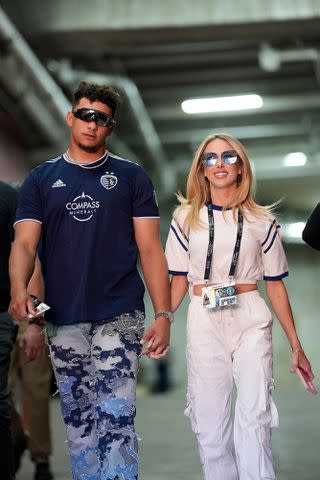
220, 244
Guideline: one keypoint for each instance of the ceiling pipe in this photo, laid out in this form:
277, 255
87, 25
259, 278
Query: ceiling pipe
17, 46
270, 59
30, 84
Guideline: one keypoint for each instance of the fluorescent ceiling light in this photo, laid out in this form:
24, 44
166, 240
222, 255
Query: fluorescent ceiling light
295, 159
221, 104
294, 230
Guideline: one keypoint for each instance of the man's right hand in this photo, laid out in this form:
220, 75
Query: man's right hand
21, 306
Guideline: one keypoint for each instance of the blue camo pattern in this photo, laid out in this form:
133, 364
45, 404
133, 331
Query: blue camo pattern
96, 369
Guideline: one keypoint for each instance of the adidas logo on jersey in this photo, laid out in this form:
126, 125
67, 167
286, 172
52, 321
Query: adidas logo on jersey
58, 183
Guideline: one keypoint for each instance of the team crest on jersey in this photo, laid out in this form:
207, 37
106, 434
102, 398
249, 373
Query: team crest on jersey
109, 180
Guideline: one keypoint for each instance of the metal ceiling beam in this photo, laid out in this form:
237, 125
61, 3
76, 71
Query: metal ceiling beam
271, 104
59, 15
194, 135
271, 86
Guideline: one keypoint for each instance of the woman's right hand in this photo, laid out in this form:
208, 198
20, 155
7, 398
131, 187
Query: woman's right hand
299, 359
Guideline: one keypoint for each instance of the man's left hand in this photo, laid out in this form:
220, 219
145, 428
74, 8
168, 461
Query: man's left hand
157, 338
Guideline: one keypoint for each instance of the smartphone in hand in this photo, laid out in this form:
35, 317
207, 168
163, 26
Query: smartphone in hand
39, 306
308, 385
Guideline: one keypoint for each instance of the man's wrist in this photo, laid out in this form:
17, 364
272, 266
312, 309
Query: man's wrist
38, 320
17, 289
168, 315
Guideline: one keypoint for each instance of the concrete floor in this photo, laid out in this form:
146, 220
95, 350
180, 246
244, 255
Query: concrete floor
168, 449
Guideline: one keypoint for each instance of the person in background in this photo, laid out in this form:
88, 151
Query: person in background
35, 380
8, 330
94, 212
221, 243
311, 231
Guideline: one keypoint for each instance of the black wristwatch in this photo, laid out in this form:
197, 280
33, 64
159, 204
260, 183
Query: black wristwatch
168, 315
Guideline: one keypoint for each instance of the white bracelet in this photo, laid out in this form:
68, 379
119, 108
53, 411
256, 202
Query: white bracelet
168, 315
296, 350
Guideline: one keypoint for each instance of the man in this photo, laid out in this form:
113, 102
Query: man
35, 375
32, 341
8, 198
93, 211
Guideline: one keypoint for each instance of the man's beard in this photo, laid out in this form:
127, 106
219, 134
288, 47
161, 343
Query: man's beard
91, 149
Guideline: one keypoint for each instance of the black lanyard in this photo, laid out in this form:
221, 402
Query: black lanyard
236, 250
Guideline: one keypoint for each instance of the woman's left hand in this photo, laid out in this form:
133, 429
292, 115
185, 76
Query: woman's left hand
299, 359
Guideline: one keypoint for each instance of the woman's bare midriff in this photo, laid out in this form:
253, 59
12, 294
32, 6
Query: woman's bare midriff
240, 287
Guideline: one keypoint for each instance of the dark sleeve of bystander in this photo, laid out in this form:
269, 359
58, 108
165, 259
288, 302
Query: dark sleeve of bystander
311, 232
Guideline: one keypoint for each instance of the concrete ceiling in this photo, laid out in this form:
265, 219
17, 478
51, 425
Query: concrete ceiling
161, 53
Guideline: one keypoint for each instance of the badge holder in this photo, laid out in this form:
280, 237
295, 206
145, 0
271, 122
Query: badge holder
219, 296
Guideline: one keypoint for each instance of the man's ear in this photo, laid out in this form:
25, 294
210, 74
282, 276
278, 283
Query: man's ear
69, 119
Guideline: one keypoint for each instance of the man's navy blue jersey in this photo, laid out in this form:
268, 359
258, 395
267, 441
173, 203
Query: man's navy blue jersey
88, 249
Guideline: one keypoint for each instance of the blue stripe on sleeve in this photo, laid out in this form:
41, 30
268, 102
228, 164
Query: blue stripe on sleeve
272, 241
174, 272
178, 238
276, 277
269, 231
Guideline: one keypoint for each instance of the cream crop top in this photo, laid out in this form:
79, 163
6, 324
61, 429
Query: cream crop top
261, 253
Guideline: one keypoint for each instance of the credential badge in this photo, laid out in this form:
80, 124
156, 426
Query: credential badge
109, 180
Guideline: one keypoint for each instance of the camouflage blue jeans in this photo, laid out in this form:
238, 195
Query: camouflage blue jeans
96, 369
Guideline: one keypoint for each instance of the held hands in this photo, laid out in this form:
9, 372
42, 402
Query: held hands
299, 359
157, 338
21, 305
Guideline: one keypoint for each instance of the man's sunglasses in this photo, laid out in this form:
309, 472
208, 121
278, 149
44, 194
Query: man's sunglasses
210, 159
90, 115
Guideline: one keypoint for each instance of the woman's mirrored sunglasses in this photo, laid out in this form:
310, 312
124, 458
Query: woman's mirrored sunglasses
210, 159
90, 115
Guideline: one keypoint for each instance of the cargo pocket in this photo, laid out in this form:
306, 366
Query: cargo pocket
273, 409
190, 413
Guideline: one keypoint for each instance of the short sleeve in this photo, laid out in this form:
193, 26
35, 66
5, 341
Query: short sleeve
311, 231
177, 249
144, 197
29, 202
12, 197
275, 265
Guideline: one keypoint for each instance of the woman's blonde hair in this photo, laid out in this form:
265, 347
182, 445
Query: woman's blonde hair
198, 187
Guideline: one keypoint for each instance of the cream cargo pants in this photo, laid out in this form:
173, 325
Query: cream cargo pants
226, 347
